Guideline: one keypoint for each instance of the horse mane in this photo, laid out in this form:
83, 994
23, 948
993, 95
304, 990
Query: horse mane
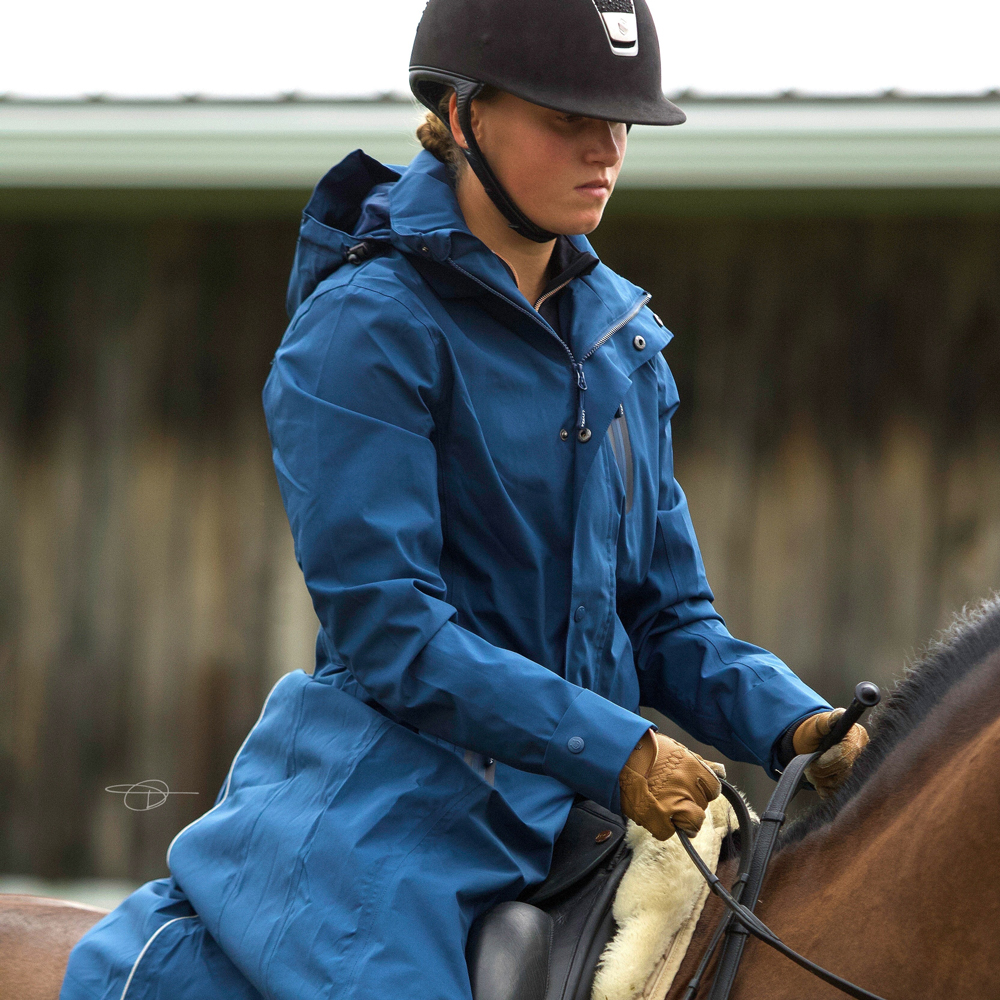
732, 842
972, 638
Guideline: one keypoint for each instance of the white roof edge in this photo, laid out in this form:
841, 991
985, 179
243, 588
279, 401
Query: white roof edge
796, 141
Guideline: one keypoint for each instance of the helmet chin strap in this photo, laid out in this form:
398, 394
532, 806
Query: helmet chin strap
516, 219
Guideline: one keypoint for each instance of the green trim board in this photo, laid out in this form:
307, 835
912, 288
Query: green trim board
765, 144
69, 203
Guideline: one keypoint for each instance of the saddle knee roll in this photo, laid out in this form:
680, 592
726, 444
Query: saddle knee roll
508, 953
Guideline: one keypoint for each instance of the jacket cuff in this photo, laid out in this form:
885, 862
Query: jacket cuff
783, 751
590, 746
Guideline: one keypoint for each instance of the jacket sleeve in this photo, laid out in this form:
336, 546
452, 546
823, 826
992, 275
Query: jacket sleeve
725, 692
356, 403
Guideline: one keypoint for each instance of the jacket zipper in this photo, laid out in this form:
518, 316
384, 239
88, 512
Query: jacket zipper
548, 295
582, 432
624, 322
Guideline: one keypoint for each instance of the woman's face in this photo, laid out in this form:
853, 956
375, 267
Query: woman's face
560, 169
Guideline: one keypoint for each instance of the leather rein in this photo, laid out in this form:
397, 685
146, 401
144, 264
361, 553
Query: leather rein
739, 921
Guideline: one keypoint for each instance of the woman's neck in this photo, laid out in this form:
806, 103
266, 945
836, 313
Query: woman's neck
528, 260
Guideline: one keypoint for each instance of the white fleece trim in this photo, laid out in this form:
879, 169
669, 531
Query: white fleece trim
656, 908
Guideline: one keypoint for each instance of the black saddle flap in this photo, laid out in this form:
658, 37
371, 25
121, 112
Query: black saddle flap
590, 835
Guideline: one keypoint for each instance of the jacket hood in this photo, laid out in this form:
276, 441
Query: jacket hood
350, 201
416, 210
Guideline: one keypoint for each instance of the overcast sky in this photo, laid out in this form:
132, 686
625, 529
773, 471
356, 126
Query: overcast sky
335, 47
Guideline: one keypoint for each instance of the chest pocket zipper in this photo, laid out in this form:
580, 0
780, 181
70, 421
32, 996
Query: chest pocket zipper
622, 449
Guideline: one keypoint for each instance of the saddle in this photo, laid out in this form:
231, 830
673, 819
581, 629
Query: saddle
546, 944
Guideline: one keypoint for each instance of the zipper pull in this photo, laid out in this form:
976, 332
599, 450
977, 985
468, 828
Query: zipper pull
582, 431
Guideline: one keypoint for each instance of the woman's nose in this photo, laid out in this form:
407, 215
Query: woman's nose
605, 148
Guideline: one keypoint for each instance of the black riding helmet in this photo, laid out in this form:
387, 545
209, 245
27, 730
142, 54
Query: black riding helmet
595, 58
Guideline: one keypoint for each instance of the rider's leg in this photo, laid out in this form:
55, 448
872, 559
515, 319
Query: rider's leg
347, 857
416, 947
123, 956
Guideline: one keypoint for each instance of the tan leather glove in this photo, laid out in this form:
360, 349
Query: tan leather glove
832, 769
666, 787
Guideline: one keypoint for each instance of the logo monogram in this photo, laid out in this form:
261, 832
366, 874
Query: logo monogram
619, 19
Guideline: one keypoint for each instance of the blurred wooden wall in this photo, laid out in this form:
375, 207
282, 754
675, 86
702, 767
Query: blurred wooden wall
839, 430
149, 593
839, 441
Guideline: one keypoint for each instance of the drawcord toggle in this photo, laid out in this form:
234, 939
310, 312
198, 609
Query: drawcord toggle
365, 250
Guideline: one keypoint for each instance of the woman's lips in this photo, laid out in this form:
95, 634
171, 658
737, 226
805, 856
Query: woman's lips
597, 189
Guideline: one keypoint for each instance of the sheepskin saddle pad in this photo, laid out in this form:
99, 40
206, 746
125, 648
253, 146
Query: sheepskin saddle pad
611, 922
656, 909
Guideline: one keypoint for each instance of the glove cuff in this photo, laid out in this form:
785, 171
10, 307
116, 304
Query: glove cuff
642, 758
785, 743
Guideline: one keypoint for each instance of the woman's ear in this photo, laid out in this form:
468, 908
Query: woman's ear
456, 129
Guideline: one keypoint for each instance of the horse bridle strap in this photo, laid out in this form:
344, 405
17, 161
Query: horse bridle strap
740, 914
739, 884
739, 921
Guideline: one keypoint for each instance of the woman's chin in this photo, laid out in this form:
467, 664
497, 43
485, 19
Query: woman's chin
588, 222
573, 223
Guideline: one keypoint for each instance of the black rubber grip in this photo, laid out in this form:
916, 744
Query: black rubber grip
866, 695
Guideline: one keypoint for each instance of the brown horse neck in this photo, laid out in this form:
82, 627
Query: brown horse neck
711, 914
899, 893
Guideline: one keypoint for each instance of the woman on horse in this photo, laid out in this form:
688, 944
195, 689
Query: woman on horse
470, 416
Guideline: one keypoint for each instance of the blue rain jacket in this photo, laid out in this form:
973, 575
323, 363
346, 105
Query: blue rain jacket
484, 508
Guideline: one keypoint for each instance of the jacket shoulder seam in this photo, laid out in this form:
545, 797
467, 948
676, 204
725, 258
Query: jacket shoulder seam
353, 284
435, 335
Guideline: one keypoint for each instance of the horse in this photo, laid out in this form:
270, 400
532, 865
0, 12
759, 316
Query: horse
36, 937
891, 884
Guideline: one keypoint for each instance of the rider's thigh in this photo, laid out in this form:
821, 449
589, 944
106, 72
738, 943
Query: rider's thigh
421, 924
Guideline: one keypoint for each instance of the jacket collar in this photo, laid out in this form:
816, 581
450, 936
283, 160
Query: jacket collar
427, 223
566, 264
